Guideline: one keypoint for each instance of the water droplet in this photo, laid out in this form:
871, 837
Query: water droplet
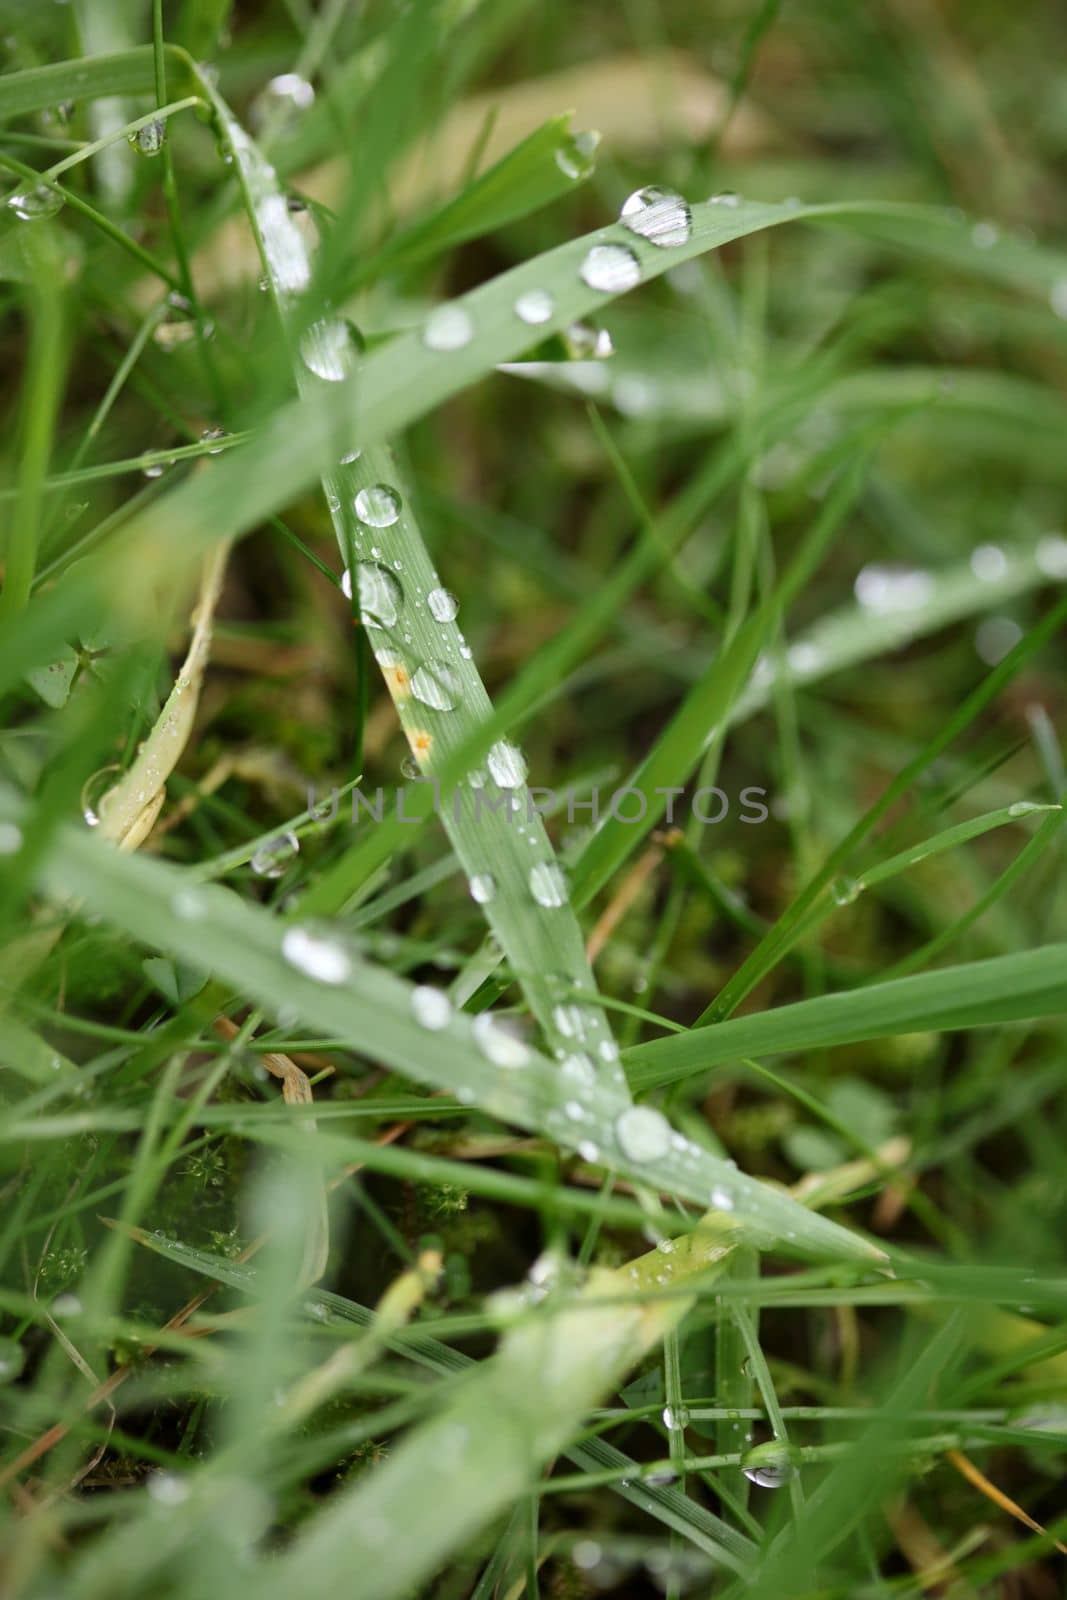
442, 606
1051, 555
10, 838
30, 205
188, 905
727, 197
768, 1465
984, 235
585, 343
988, 562
844, 891
166, 1488
507, 765
12, 1359
884, 589
291, 87
576, 156
380, 596
378, 505
1057, 298
483, 887
448, 327
209, 435
675, 1418
149, 140
436, 685
611, 268
548, 884
535, 306
996, 637
498, 1044
317, 953
272, 857
66, 1305
573, 1021
326, 349
350, 456
644, 1134
589, 1151
431, 1007
1024, 808
658, 215
580, 1068
722, 1199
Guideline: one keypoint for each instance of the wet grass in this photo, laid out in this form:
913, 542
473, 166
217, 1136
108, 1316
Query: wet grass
530, 803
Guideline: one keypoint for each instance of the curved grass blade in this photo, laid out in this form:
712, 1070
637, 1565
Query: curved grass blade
411, 623
979, 994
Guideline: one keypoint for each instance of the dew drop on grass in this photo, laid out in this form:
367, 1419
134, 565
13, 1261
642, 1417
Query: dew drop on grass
585, 343
535, 306
316, 953
166, 1488
10, 838
378, 505
1057, 298
675, 1418
644, 1134
498, 1044
30, 205
579, 1068
768, 1465
436, 684
882, 589
326, 349
727, 197
722, 1199
988, 562
483, 887
507, 765
995, 637
589, 1151
658, 215
576, 156
1024, 808
149, 140
11, 1359
844, 891
292, 89
431, 1007
350, 456
984, 235
611, 268
1051, 555
272, 857
442, 606
548, 884
448, 327
380, 592
209, 436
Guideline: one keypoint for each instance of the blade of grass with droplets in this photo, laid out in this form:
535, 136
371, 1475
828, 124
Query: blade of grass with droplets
411, 621
310, 971
978, 994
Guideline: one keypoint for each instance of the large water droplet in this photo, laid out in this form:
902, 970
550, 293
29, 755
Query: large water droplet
769, 1465
644, 1134
575, 157
380, 594
442, 606
30, 205
884, 589
378, 505
988, 562
448, 327
844, 891
535, 306
436, 685
272, 857
326, 349
431, 1007
657, 215
675, 1418
149, 140
611, 268
483, 887
318, 953
507, 765
498, 1044
548, 884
